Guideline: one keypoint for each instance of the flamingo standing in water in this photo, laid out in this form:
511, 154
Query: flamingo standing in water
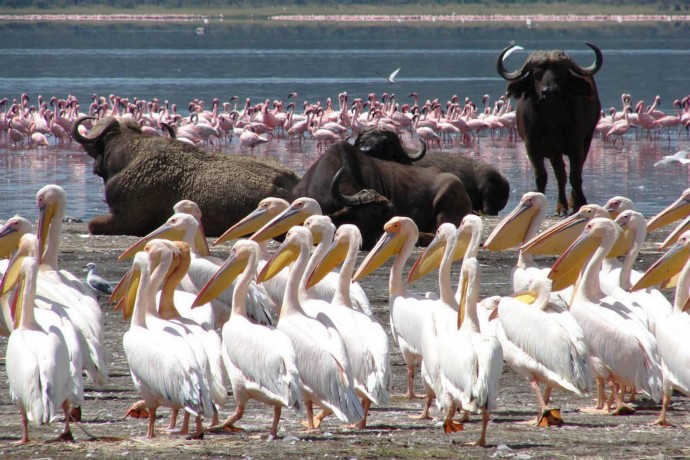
250, 139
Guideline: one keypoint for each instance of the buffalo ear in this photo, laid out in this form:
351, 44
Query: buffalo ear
518, 87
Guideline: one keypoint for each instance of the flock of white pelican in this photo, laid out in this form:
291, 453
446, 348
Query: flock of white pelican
284, 329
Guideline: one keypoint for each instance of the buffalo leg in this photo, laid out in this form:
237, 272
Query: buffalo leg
562, 178
577, 194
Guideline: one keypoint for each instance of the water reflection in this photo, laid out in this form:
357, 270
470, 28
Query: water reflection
610, 170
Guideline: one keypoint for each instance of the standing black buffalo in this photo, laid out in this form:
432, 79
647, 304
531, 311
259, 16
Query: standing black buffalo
557, 110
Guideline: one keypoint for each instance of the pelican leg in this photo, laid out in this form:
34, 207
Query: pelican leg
276, 419
152, 422
546, 416
25, 428
66, 434
485, 422
450, 425
75, 414
662, 421
185, 424
428, 399
621, 407
318, 418
199, 432
410, 381
173, 419
309, 408
228, 425
137, 410
366, 404
633, 393
601, 395
547, 395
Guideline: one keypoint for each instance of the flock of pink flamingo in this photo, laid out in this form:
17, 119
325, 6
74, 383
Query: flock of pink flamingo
24, 125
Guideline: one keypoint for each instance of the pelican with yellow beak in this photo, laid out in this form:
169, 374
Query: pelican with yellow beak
407, 310
622, 351
673, 332
37, 359
163, 366
364, 338
471, 363
193, 209
260, 360
322, 361
617, 204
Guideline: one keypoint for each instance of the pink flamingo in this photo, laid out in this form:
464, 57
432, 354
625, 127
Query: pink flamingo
250, 139
620, 127
669, 121
323, 136
426, 133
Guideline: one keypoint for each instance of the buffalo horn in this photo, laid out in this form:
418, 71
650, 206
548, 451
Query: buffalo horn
511, 76
420, 154
338, 195
77, 136
594, 68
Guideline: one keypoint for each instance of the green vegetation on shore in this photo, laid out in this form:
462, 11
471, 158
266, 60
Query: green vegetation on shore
265, 8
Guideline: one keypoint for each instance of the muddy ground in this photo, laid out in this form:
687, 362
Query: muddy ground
392, 430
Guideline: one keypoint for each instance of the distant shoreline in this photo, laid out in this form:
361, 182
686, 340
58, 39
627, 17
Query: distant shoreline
362, 18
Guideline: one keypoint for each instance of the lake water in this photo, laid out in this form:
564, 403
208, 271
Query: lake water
257, 61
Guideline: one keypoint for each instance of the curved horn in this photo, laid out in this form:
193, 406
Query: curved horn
166, 127
98, 135
511, 76
420, 154
338, 195
594, 68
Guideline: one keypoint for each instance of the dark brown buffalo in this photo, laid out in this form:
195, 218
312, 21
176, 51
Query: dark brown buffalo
426, 195
557, 110
145, 176
487, 188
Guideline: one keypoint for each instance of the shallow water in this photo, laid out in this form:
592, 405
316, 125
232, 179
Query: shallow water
171, 62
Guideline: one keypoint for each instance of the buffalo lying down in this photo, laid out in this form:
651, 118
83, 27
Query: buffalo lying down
145, 176
488, 189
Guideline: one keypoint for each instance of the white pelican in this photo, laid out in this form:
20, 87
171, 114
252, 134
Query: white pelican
673, 332
200, 241
64, 288
618, 204
621, 349
295, 214
407, 311
37, 360
471, 363
543, 343
441, 318
10, 233
324, 367
260, 360
365, 339
47, 315
163, 366
184, 227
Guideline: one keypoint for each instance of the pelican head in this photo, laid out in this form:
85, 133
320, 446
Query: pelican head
242, 254
294, 214
193, 209
618, 204
557, 238
296, 239
267, 209
676, 210
510, 232
27, 246
179, 227
10, 234
432, 256
321, 227
50, 201
397, 231
346, 236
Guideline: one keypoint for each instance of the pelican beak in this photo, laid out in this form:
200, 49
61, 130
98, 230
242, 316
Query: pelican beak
280, 224
525, 296
388, 245
219, 282
12, 274
249, 224
666, 267
284, 256
462, 243
623, 243
17, 304
165, 231
566, 269
201, 242
9, 241
46, 213
429, 260
493, 315
463, 300
675, 234
121, 289
335, 256
679, 209
556, 239
511, 230
130, 295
